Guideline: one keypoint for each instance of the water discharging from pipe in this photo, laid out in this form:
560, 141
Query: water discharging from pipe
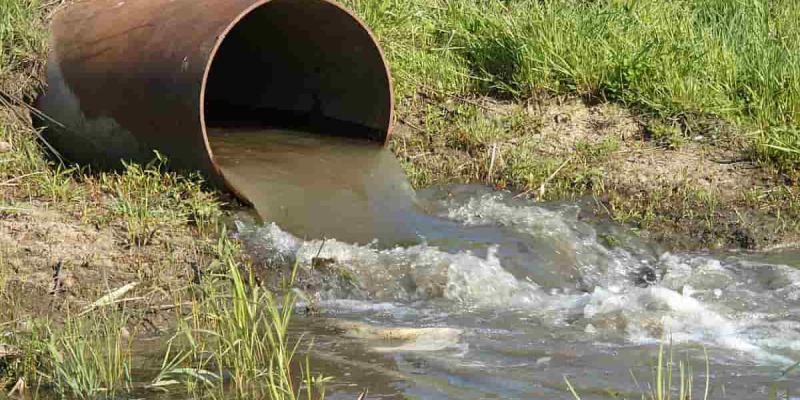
318, 186
297, 108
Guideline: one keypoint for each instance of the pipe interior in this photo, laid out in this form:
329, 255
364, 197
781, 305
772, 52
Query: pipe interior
305, 65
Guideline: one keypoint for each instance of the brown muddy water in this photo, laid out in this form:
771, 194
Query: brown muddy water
319, 186
513, 295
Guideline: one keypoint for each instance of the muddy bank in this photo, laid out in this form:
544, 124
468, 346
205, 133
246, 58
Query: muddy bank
69, 236
52, 264
688, 185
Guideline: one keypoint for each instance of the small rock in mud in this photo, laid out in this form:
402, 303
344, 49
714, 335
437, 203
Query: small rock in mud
743, 238
322, 263
5, 147
645, 276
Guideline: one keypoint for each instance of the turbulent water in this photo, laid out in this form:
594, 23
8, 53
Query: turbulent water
517, 295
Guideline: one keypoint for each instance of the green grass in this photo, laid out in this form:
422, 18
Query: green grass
738, 60
239, 330
26, 170
88, 356
669, 379
22, 42
148, 199
232, 340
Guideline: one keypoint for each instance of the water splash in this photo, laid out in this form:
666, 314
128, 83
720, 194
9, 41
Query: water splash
691, 298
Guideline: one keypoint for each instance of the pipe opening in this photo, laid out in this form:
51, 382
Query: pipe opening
300, 65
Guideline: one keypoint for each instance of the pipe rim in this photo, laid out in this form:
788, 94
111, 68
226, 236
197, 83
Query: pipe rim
212, 56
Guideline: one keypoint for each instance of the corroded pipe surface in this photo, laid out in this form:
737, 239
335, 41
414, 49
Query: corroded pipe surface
126, 77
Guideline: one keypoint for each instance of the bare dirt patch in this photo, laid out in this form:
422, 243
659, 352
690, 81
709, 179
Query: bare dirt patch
53, 262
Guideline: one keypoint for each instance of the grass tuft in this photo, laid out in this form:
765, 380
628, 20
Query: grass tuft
87, 356
22, 45
665, 382
237, 343
148, 200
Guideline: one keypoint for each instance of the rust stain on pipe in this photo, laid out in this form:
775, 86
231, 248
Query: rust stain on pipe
126, 77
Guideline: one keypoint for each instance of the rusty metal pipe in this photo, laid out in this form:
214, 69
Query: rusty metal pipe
126, 77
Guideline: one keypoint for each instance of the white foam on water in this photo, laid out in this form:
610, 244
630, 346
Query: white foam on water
697, 299
485, 282
403, 273
654, 313
575, 242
